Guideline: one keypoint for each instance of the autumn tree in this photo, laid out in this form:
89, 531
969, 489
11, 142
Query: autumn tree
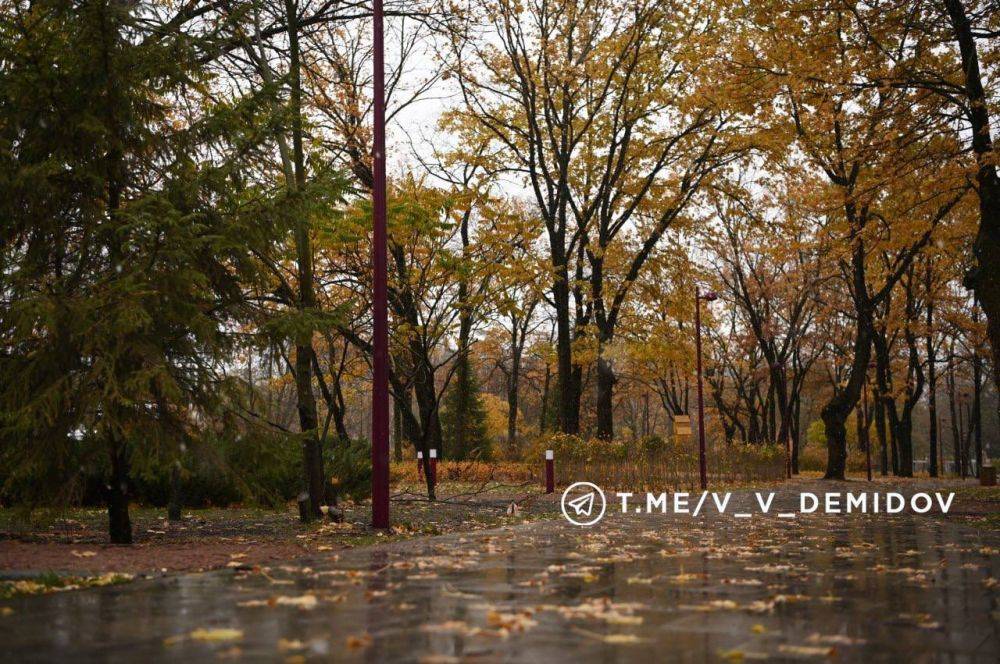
774, 286
869, 150
131, 227
606, 113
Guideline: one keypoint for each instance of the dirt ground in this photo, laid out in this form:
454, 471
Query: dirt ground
75, 540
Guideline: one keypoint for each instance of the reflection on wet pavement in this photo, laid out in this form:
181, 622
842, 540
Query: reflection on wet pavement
653, 587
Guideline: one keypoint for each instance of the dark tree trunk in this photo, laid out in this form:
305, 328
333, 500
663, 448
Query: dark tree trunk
461, 428
835, 413
985, 278
890, 407
176, 499
397, 433
645, 417
458, 439
412, 429
796, 410
119, 524
569, 420
834, 416
880, 429
914, 384
312, 454
905, 437
860, 430
338, 409
963, 432
513, 387
605, 399
426, 433
956, 435
544, 414
883, 378
931, 377
977, 408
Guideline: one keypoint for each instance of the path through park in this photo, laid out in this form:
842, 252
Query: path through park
632, 588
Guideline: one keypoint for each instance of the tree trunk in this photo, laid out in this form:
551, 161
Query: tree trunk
914, 384
834, 416
176, 499
883, 379
905, 438
569, 421
985, 278
312, 454
605, 398
890, 407
977, 408
931, 378
461, 442
880, 430
513, 385
544, 414
956, 436
795, 434
835, 413
859, 428
119, 524
397, 433
963, 428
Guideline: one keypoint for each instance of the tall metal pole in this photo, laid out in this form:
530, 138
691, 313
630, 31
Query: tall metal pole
701, 405
788, 430
380, 308
866, 418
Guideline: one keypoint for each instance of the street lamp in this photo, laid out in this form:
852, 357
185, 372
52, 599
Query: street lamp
380, 307
698, 297
780, 367
866, 420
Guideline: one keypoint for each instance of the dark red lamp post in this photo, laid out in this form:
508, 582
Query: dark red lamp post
702, 466
780, 367
380, 308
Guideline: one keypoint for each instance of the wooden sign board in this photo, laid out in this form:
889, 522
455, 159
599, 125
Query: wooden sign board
682, 425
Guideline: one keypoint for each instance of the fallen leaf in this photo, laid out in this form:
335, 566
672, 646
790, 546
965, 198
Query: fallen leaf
806, 651
216, 634
358, 642
835, 639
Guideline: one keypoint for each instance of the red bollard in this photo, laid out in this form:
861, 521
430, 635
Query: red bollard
420, 466
434, 467
550, 471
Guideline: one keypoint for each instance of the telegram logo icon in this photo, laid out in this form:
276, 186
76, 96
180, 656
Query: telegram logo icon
583, 503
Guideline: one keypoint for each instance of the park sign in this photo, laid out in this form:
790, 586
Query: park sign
682, 425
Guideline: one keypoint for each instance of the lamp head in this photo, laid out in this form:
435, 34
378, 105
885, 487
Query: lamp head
709, 296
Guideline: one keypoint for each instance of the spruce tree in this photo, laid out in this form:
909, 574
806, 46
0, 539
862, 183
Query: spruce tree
130, 231
465, 437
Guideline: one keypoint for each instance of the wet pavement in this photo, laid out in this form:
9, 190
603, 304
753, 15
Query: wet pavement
906, 587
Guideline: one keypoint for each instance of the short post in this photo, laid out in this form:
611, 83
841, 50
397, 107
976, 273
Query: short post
988, 476
434, 467
420, 466
550, 471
